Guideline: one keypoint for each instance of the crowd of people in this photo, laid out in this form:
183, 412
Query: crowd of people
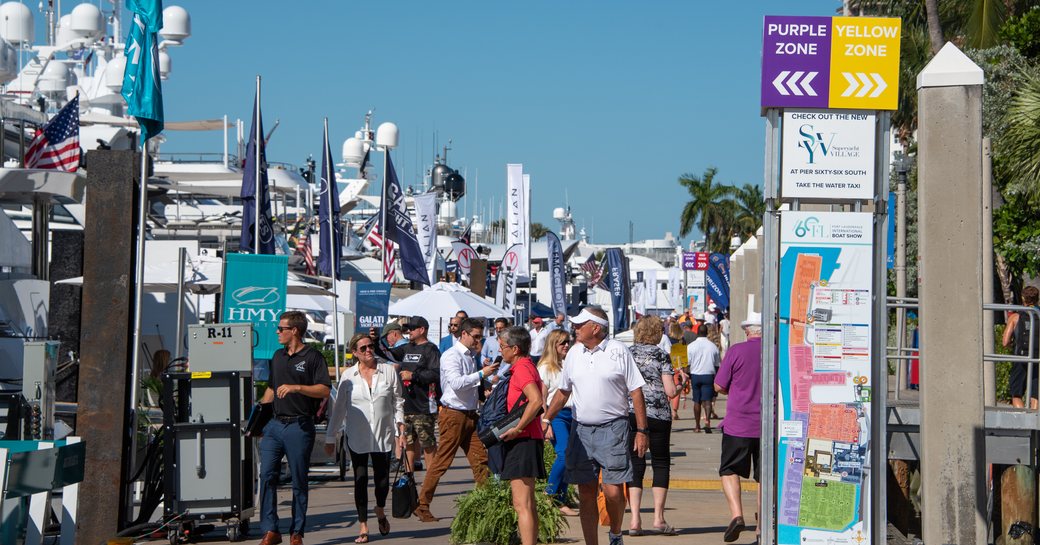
409, 403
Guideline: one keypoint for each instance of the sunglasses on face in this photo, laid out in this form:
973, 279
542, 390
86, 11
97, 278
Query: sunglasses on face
282, 328
364, 347
477, 337
563, 343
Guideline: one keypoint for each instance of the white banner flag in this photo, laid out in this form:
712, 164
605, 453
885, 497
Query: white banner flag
675, 289
505, 294
465, 255
426, 225
518, 228
650, 289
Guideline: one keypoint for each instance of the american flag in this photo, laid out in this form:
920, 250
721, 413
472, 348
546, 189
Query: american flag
375, 237
56, 147
303, 249
594, 272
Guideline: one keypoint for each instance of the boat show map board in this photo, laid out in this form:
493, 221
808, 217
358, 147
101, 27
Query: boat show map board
823, 374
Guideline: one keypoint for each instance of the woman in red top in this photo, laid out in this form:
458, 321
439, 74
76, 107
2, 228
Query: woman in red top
523, 444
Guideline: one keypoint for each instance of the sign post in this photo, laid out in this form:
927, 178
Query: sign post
826, 83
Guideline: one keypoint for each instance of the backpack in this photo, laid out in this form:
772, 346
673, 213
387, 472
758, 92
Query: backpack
494, 409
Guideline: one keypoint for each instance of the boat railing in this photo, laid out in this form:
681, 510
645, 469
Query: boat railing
196, 158
901, 354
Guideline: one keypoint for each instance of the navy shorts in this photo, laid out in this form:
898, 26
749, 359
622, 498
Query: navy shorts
702, 387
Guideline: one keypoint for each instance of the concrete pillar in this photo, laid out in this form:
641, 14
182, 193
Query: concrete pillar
108, 284
950, 232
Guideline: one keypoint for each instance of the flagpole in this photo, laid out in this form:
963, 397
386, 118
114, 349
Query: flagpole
142, 208
382, 212
256, 169
333, 258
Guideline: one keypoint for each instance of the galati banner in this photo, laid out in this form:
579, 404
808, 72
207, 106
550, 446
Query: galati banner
254, 292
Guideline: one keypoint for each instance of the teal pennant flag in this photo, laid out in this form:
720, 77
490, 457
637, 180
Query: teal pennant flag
142, 88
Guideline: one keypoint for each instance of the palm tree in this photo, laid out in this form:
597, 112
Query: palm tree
751, 205
705, 208
1021, 140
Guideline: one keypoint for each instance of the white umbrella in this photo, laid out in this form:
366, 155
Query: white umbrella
313, 302
440, 303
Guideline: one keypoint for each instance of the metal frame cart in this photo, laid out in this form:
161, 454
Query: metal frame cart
209, 464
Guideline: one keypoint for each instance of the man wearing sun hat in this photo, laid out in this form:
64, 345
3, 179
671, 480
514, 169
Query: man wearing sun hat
601, 375
740, 378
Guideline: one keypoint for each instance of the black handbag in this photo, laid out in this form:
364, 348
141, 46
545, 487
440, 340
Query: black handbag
261, 414
405, 495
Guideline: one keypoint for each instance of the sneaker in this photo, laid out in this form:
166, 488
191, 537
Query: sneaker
733, 530
615, 539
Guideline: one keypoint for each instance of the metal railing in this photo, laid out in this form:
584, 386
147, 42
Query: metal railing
902, 354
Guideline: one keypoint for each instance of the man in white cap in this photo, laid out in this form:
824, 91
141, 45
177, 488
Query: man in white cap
740, 378
601, 375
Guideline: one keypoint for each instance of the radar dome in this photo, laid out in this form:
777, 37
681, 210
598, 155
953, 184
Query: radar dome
353, 151
176, 24
559, 213
165, 65
478, 228
16, 23
386, 135
114, 73
86, 20
447, 211
55, 77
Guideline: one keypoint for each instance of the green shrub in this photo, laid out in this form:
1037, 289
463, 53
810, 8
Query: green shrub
485, 515
1003, 368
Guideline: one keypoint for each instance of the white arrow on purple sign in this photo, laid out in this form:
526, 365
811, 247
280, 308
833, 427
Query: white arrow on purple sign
793, 84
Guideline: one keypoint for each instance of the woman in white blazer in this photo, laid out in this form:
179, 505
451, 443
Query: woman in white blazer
369, 406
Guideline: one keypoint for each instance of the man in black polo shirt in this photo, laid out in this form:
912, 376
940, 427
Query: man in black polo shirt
299, 382
420, 374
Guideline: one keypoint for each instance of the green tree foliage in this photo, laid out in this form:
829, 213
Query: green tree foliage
1023, 33
720, 211
538, 230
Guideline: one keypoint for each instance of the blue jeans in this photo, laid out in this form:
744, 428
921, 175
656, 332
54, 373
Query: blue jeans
294, 441
561, 427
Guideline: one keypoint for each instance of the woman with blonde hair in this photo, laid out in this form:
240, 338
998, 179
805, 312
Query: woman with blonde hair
549, 367
656, 367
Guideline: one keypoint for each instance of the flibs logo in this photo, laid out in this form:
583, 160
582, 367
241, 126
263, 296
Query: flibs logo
809, 227
816, 144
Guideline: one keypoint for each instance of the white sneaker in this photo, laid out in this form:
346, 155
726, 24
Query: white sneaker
615, 539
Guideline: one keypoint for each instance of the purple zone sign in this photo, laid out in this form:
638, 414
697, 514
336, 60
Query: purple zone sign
796, 58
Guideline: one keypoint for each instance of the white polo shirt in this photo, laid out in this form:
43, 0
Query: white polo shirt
703, 356
600, 380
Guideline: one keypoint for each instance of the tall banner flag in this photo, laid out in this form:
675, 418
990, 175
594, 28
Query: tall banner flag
650, 289
675, 288
426, 222
717, 279
372, 300
330, 243
254, 292
505, 290
255, 187
557, 275
464, 254
518, 231
399, 228
620, 296
142, 87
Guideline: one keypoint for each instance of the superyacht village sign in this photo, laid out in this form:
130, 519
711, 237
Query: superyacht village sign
830, 62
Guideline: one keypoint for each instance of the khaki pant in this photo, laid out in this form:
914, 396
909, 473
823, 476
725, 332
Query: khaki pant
458, 429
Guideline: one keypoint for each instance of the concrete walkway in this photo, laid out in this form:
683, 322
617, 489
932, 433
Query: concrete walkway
696, 506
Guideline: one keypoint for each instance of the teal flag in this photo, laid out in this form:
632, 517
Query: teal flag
254, 292
142, 88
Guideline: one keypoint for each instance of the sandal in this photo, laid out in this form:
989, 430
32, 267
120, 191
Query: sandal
363, 538
384, 526
666, 530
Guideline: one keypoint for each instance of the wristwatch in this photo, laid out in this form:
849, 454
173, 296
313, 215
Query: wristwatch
644, 431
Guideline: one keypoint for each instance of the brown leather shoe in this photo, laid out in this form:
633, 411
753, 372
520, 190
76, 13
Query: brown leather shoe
424, 515
296, 539
271, 538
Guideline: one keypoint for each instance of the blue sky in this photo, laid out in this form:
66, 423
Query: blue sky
605, 102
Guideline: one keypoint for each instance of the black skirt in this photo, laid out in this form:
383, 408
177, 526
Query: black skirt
524, 458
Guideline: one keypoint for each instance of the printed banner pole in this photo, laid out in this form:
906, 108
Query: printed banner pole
332, 192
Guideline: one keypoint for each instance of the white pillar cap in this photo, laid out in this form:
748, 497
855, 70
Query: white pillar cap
950, 68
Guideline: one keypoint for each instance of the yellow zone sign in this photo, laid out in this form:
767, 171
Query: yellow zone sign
864, 63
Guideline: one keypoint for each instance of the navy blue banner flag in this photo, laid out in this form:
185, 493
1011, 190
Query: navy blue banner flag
557, 275
399, 228
330, 243
620, 296
142, 87
250, 191
716, 279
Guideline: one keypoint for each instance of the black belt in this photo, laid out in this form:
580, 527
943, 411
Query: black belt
293, 419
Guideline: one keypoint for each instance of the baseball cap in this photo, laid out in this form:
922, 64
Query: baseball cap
392, 326
417, 322
586, 316
537, 319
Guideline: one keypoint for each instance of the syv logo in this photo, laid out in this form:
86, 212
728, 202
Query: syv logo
814, 142
810, 226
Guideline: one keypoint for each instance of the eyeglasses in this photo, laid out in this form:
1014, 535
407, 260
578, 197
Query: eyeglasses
476, 337
282, 328
563, 343
364, 347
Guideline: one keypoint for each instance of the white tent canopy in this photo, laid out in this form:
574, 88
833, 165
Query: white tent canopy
440, 303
